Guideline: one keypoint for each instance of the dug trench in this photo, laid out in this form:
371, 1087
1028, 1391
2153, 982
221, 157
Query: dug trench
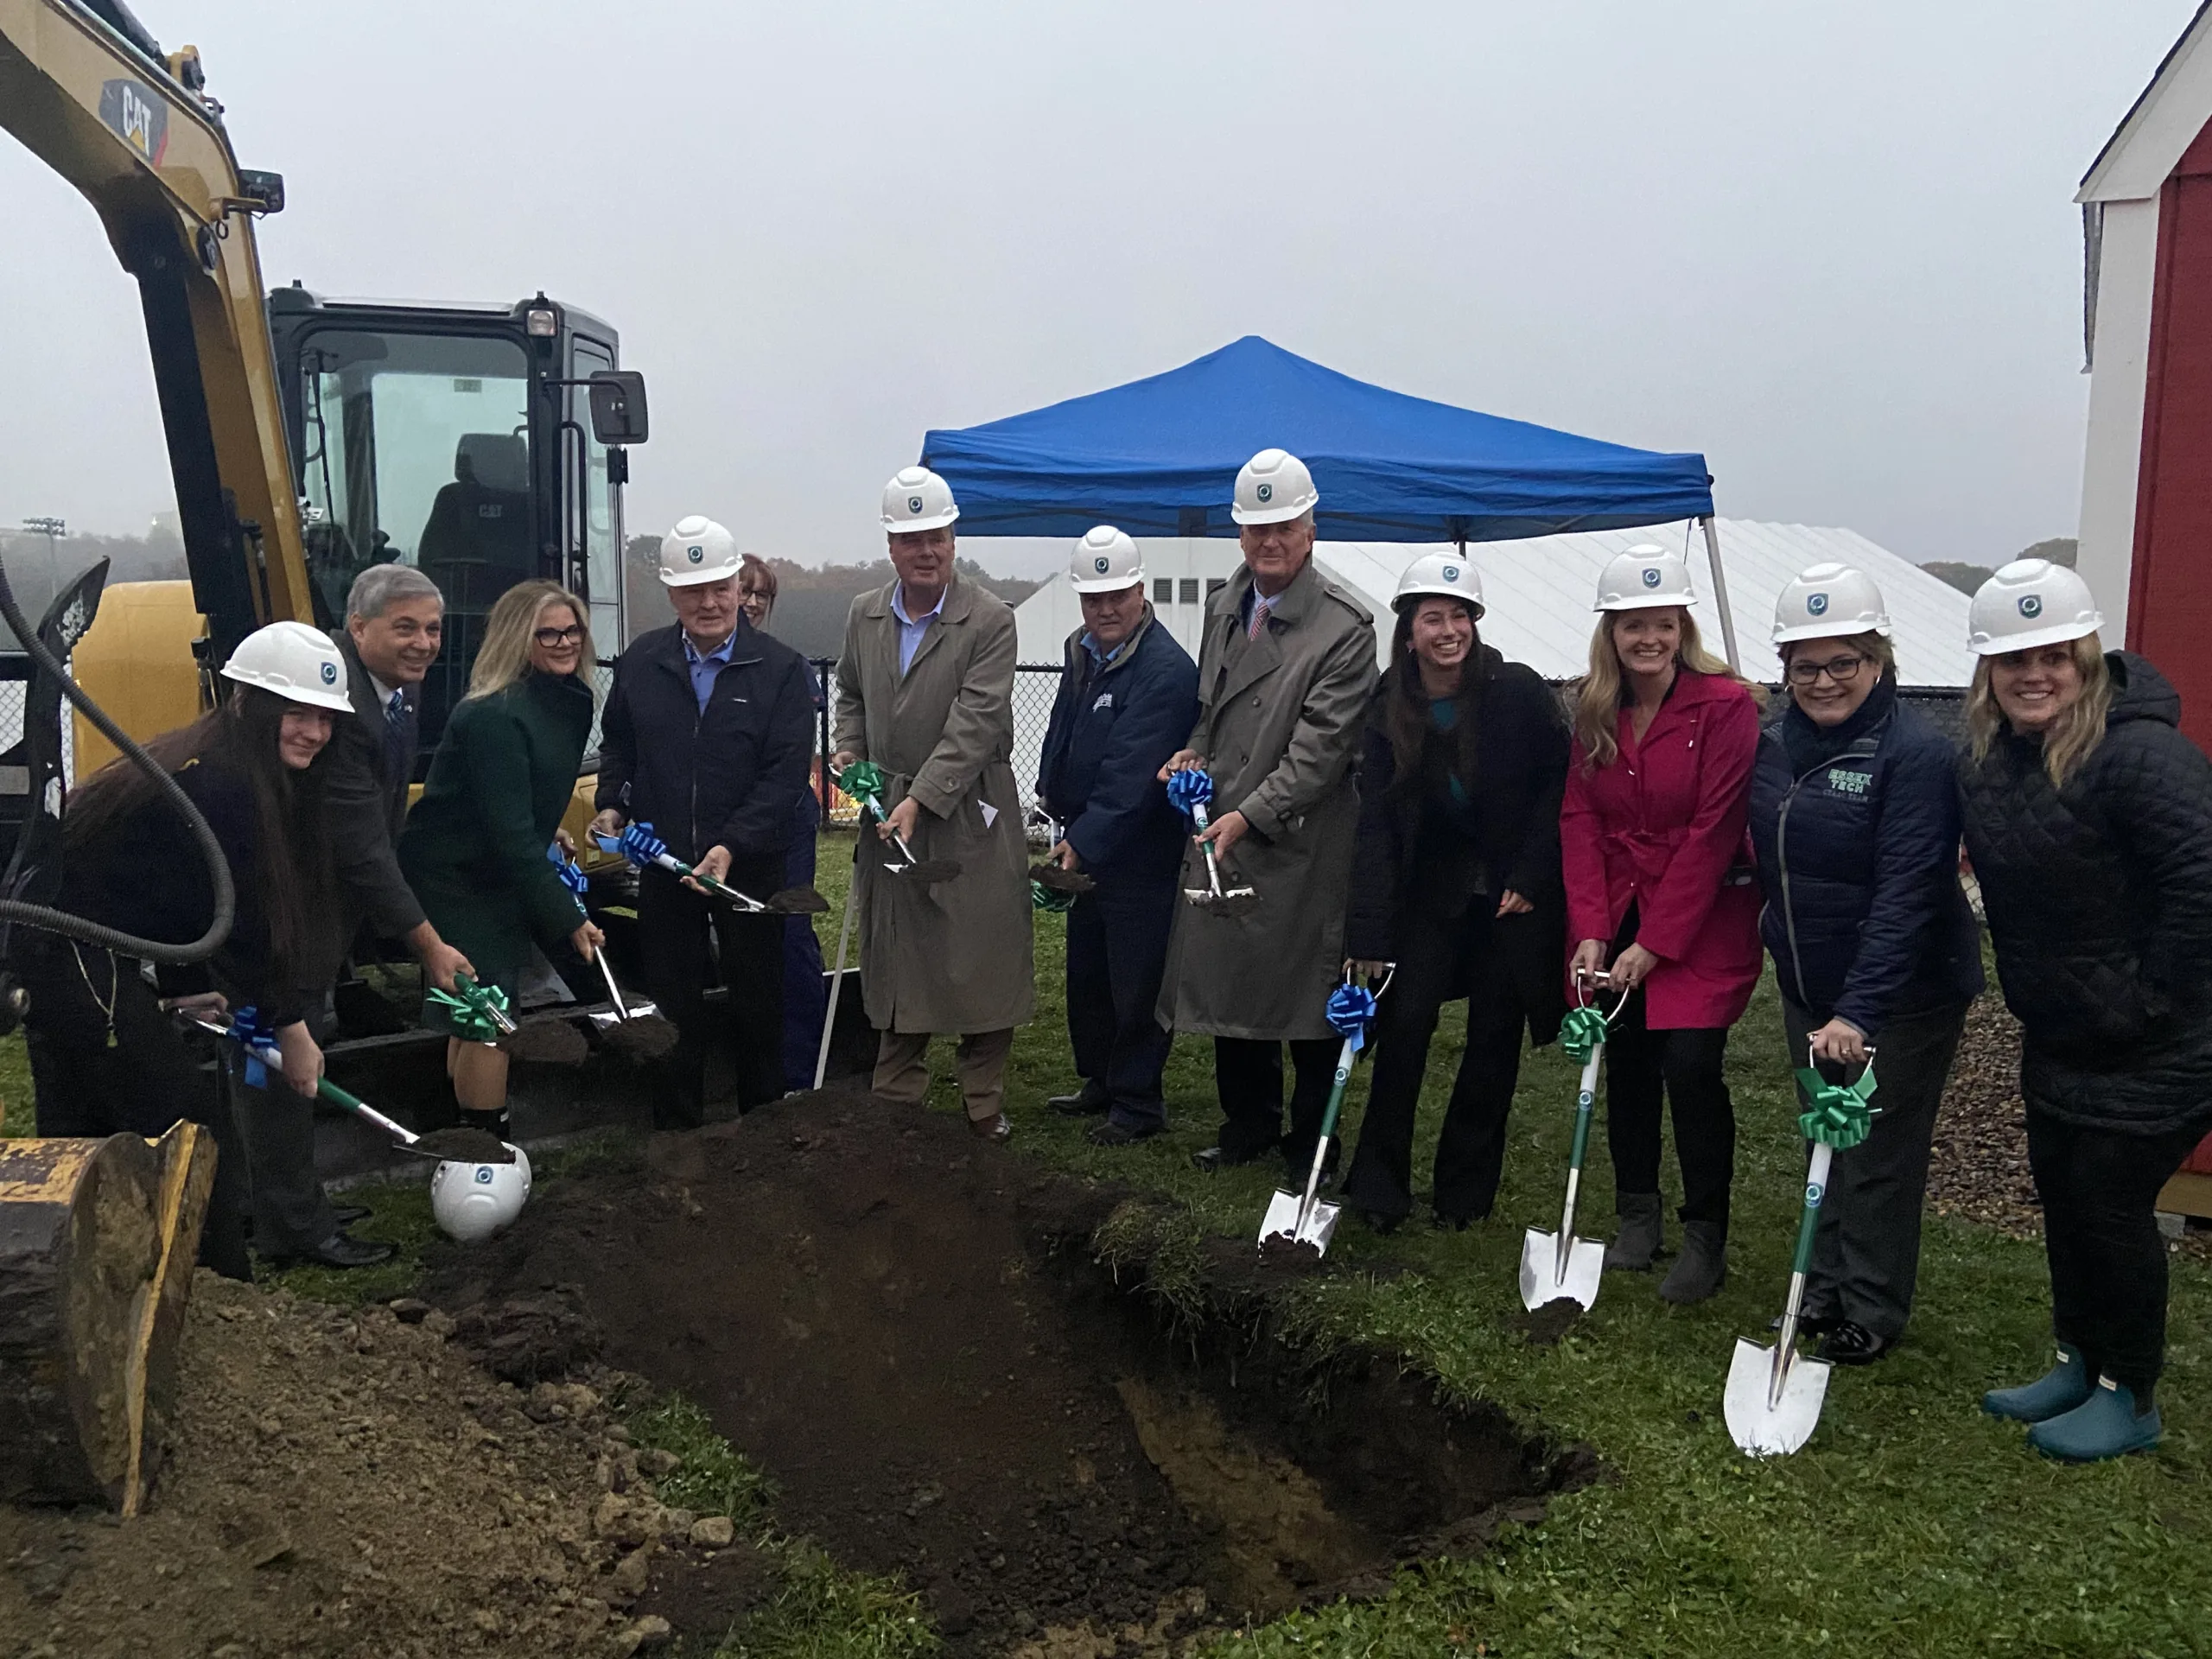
915, 1335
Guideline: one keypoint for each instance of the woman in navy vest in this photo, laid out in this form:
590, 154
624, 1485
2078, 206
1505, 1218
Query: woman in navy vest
1855, 819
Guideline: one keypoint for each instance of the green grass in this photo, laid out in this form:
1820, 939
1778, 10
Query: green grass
1910, 1525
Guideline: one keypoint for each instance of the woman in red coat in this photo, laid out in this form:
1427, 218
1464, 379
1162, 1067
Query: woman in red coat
1660, 882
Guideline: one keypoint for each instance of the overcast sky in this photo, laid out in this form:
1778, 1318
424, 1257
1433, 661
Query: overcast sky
1831, 247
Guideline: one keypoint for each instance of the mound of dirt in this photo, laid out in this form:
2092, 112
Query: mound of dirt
346, 1483
1979, 1166
908, 1331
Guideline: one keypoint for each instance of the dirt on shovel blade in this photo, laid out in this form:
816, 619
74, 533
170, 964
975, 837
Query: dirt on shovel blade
798, 901
1233, 904
548, 1040
928, 870
1053, 878
641, 1038
463, 1144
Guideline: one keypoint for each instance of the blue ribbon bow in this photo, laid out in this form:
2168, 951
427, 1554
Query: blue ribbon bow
1188, 790
1351, 1009
571, 873
252, 1032
638, 844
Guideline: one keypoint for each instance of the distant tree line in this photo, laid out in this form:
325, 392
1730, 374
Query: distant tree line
2060, 550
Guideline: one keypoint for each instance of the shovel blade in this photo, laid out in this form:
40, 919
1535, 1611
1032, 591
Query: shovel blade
797, 901
1540, 1279
1281, 1222
1775, 1429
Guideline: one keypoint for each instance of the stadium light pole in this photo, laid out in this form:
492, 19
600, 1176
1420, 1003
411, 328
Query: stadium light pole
52, 529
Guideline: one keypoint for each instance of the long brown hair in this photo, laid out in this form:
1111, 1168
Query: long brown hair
1598, 694
295, 880
503, 657
2072, 737
1405, 704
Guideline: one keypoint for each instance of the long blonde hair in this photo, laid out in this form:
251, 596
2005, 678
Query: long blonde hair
503, 657
1598, 694
2072, 737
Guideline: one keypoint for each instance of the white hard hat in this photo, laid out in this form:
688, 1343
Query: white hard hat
296, 662
698, 550
1644, 577
1272, 487
1105, 561
1447, 575
917, 499
473, 1201
2031, 602
1829, 602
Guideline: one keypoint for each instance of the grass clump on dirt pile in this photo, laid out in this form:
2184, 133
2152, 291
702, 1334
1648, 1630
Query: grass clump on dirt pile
714, 1477
823, 1611
1911, 1524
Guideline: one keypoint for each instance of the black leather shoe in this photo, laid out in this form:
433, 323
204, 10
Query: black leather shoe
1111, 1134
347, 1214
1853, 1344
1378, 1223
1082, 1103
340, 1250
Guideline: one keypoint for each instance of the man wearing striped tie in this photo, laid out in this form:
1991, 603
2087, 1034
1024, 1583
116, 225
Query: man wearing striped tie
1286, 671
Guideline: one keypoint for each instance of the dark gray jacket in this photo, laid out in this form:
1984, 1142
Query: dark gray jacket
364, 802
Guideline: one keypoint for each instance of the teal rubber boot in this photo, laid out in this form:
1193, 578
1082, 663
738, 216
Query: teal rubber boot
2106, 1425
2061, 1388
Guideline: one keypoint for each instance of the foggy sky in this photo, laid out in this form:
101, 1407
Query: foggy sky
1833, 248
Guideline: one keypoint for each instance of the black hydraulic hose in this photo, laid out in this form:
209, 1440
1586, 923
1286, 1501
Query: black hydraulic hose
211, 850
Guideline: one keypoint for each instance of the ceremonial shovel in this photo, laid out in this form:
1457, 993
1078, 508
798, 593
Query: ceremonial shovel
1773, 1395
1554, 1265
1292, 1218
863, 780
641, 847
1189, 790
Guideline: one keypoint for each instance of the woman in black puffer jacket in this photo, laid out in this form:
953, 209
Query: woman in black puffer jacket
1855, 820
2089, 819
1457, 881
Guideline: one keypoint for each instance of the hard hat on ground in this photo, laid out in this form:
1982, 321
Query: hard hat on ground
1644, 578
2031, 602
1272, 489
1105, 561
473, 1201
916, 499
1447, 575
1829, 602
296, 662
698, 550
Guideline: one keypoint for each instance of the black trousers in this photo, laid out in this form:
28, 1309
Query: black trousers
1439, 959
1117, 952
2107, 1263
152, 1078
1647, 1071
1866, 1252
673, 924
1248, 1076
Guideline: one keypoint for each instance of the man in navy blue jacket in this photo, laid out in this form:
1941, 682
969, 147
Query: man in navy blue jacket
1129, 697
709, 736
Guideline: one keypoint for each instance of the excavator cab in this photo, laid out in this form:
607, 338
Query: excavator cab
484, 445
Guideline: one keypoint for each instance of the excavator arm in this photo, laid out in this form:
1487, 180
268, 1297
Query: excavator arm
90, 92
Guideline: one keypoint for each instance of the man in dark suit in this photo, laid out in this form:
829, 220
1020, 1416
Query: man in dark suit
709, 736
394, 623
1129, 696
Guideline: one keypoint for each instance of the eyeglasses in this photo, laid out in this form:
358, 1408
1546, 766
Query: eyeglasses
552, 639
1841, 669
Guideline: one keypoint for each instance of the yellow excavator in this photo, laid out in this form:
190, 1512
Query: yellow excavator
309, 439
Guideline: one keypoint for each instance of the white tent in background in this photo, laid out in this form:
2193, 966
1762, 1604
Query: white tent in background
1538, 593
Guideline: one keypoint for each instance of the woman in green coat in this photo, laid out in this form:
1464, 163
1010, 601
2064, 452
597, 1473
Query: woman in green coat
473, 849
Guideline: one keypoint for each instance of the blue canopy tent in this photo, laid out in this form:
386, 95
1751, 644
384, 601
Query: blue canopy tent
1158, 457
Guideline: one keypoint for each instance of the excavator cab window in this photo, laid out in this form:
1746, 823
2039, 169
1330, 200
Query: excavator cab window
415, 450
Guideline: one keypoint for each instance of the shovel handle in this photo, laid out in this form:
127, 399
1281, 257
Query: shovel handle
613, 991
1328, 1132
1816, 1184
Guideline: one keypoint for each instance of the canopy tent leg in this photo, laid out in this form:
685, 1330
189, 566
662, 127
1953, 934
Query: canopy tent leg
1720, 592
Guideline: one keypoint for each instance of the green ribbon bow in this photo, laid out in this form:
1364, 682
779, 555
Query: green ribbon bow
1047, 899
1581, 1033
863, 780
470, 1013
1839, 1116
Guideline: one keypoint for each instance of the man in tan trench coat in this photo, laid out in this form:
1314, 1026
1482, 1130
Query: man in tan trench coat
925, 690
1286, 671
